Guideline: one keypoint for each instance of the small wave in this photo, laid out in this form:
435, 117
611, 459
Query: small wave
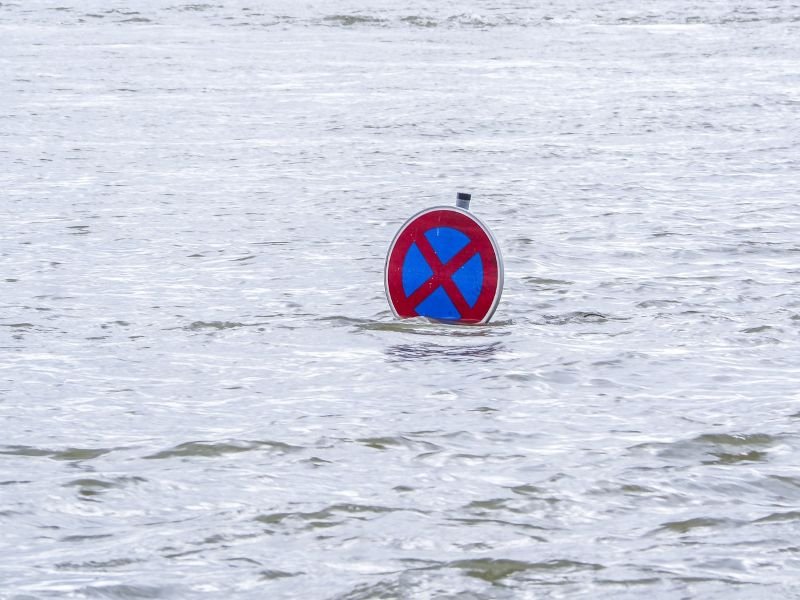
373, 591
326, 517
779, 517
760, 329
345, 321
419, 21
88, 487
193, 7
496, 569
476, 20
576, 317
214, 449
719, 448
350, 20
97, 565
737, 439
689, 525
86, 538
68, 454
217, 325
545, 283
469, 20
271, 574
398, 441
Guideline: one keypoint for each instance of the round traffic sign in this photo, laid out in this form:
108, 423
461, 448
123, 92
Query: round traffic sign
444, 264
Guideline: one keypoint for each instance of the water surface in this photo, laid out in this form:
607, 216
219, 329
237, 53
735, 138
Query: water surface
203, 391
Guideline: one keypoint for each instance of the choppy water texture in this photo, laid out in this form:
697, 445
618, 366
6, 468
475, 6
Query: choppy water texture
204, 394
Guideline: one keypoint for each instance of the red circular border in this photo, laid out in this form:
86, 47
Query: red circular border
479, 237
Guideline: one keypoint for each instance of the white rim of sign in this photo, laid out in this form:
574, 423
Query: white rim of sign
495, 246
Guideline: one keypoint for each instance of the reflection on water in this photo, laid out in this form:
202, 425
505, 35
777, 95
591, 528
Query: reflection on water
425, 326
480, 353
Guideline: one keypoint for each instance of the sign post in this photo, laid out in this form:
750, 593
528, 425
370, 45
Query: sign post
444, 264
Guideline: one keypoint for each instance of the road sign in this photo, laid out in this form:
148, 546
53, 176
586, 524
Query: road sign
444, 264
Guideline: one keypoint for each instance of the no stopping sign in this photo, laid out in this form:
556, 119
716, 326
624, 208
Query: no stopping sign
444, 264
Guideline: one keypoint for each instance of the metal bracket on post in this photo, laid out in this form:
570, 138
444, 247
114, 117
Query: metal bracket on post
462, 200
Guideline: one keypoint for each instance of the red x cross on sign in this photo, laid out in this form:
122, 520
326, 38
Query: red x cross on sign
442, 275
438, 294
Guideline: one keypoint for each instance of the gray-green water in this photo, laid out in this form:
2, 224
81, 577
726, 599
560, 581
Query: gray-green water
203, 393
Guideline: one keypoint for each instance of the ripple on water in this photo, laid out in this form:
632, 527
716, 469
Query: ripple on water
68, 454
398, 441
487, 578
690, 525
331, 516
129, 591
272, 574
497, 569
203, 449
780, 517
413, 352
187, 173
98, 565
353, 19
578, 316
90, 487
717, 448
219, 325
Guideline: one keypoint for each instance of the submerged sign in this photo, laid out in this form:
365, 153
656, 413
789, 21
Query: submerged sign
444, 264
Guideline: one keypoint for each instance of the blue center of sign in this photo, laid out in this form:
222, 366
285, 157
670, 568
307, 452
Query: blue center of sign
416, 270
438, 306
446, 242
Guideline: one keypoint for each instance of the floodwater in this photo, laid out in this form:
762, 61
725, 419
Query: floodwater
204, 394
